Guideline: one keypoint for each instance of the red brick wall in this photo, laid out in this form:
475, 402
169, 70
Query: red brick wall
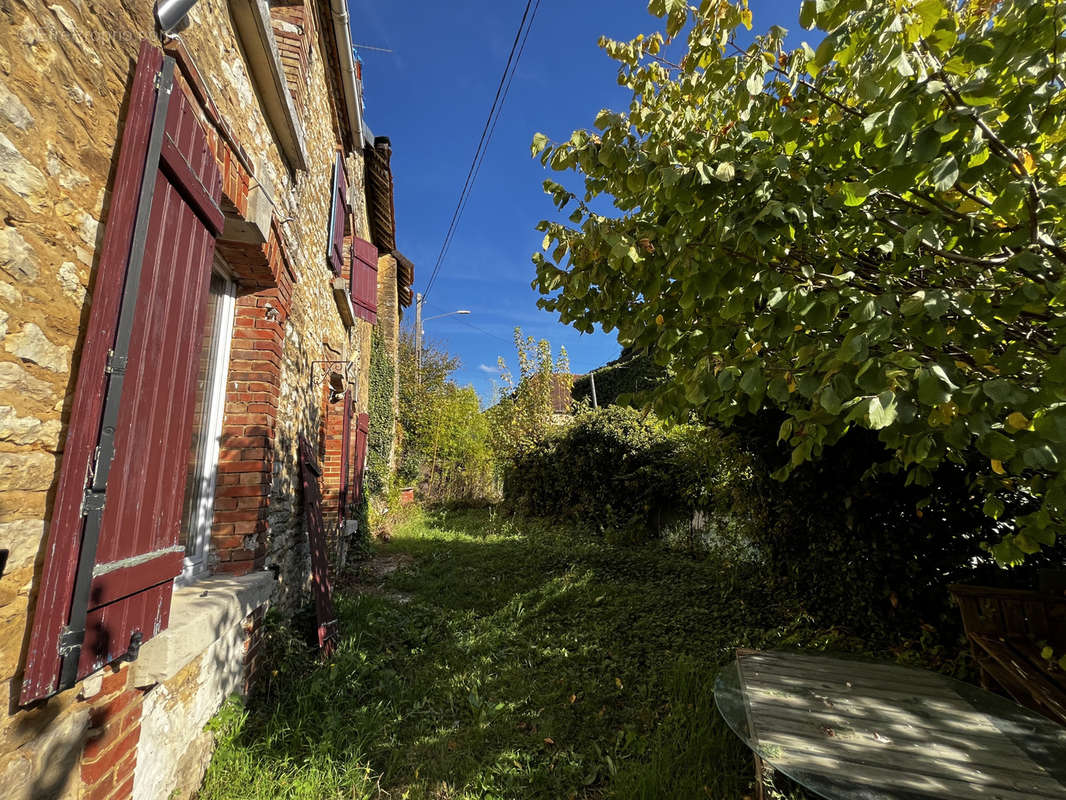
330, 455
288, 21
110, 754
253, 629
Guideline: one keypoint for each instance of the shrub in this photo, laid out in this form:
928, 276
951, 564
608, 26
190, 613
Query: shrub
625, 473
865, 550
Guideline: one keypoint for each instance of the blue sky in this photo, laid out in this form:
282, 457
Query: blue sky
431, 95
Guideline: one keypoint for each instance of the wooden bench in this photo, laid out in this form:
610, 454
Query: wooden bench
1007, 629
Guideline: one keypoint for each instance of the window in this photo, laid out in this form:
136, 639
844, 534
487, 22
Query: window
113, 546
199, 504
339, 217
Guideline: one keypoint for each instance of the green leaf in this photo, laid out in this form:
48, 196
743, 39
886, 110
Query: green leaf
913, 304
855, 193
695, 394
934, 386
829, 400
945, 173
882, 411
926, 143
753, 380
540, 141
755, 83
725, 172
996, 445
994, 507
929, 12
807, 12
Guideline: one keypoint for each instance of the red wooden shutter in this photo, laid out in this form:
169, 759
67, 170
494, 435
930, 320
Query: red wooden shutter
338, 216
113, 542
365, 280
320, 585
346, 435
362, 430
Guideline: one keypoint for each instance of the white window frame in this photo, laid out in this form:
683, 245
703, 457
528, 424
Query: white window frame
195, 566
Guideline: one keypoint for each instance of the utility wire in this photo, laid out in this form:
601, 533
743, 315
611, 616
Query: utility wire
499, 113
494, 110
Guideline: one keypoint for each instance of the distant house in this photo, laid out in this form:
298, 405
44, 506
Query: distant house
562, 395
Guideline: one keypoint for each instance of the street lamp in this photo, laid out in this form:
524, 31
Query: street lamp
418, 331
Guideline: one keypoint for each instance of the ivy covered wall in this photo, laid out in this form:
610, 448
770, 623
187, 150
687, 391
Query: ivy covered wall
382, 436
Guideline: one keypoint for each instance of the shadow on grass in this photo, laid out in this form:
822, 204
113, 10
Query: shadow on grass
533, 662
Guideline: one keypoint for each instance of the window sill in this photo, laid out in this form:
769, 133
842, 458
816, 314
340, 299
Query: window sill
343, 297
199, 615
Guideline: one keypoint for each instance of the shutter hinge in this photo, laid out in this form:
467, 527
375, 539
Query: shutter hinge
157, 84
116, 364
70, 640
93, 501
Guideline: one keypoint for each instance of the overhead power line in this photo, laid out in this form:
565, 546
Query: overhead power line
517, 47
499, 113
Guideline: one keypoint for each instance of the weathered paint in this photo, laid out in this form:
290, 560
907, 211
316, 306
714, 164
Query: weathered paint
147, 480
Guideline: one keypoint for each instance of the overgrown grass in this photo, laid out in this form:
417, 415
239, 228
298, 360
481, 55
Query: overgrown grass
532, 662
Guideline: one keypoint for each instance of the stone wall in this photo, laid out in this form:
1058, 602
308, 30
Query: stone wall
389, 323
65, 69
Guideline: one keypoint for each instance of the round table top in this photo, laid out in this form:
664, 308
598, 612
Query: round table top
861, 730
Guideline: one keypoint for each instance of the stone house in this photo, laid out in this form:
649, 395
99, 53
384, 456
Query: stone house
192, 254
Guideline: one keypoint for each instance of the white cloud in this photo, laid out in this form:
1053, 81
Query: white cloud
488, 369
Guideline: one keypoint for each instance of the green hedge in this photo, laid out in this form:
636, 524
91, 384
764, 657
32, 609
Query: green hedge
860, 552
624, 473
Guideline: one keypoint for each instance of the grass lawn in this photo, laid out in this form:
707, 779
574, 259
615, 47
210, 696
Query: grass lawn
531, 661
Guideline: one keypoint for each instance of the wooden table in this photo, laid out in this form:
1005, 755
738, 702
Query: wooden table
853, 729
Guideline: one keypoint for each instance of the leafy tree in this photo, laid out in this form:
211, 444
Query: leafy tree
444, 446
460, 462
523, 413
869, 234
417, 388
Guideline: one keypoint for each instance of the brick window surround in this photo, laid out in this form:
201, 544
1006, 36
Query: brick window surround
330, 455
253, 388
264, 275
293, 31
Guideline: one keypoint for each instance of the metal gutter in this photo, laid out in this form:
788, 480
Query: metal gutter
353, 90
